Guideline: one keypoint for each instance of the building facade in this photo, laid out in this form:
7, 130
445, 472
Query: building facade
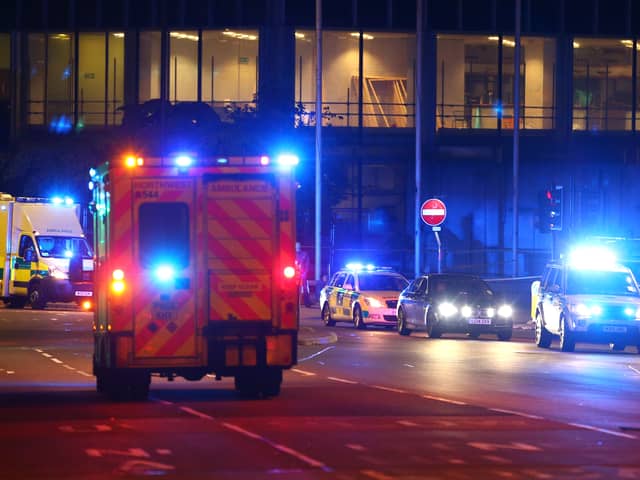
77, 74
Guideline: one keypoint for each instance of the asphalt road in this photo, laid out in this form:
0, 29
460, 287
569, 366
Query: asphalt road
360, 404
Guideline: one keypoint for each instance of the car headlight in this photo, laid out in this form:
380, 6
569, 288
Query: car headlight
466, 311
373, 302
505, 311
58, 274
587, 311
447, 309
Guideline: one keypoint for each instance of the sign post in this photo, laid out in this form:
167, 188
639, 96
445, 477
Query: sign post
433, 212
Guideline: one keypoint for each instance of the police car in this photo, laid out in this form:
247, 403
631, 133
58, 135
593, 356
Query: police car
364, 295
587, 298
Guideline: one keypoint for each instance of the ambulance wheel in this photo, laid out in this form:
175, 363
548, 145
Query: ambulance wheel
36, 297
271, 382
247, 385
326, 316
17, 302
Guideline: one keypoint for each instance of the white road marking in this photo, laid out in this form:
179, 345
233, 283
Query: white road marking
407, 423
315, 354
10, 372
603, 430
634, 369
356, 447
283, 448
44, 354
389, 389
342, 380
196, 413
513, 412
409, 365
441, 399
375, 475
303, 372
85, 374
53, 359
68, 367
492, 447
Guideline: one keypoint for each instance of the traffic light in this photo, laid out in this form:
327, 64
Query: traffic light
555, 213
550, 209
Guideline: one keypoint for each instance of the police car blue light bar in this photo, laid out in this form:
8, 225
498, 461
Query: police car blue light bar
592, 257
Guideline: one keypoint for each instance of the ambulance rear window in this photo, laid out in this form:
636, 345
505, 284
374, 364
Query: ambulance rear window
164, 234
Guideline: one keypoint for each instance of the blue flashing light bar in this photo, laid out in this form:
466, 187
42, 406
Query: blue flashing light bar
288, 160
184, 161
592, 257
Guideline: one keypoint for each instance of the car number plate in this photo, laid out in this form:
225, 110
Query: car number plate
81, 293
480, 321
614, 329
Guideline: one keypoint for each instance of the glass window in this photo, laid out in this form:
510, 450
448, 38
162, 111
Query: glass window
537, 82
5, 67
467, 82
149, 66
91, 78
63, 247
387, 84
229, 70
602, 84
388, 87
37, 74
160, 240
115, 81
60, 81
339, 279
183, 66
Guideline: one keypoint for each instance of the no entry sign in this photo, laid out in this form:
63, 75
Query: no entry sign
433, 212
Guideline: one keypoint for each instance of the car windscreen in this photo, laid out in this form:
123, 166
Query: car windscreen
600, 282
453, 286
63, 247
372, 282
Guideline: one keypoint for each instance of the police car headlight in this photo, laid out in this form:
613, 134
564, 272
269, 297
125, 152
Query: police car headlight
447, 309
373, 302
58, 274
505, 311
586, 311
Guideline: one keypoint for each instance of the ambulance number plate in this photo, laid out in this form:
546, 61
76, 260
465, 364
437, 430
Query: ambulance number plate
164, 311
81, 293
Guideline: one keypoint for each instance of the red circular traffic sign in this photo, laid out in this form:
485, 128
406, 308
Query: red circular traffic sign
433, 212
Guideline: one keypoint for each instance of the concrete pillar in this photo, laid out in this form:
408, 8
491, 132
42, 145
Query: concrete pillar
276, 68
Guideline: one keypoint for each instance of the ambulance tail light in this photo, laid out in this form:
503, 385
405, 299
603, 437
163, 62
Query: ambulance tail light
132, 161
117, 282
86, 305
289, 272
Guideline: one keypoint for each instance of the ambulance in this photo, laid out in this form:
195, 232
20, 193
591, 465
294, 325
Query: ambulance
46, 257
195, 272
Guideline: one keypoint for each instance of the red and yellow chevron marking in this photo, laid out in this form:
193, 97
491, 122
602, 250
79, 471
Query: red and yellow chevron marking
166, 332
241, 243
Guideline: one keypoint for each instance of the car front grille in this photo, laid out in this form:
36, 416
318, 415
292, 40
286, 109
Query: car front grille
392, 303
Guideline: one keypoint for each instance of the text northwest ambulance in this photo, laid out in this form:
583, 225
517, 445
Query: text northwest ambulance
195, 271
46, 257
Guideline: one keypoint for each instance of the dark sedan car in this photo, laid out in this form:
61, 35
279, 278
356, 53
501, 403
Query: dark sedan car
452, 303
